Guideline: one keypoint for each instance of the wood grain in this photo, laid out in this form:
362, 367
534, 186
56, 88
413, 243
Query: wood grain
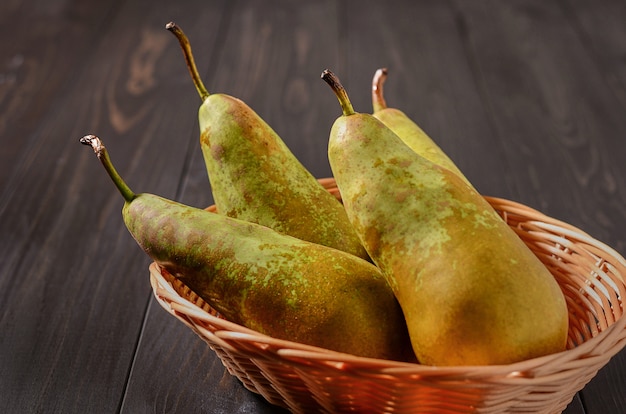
602, 33
545, 95
431, 78
526, 96
246, 62
43, 49
74, 286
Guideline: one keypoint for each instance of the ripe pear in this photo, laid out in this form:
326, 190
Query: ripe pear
255, 177
471, 291
409, 131
265, 280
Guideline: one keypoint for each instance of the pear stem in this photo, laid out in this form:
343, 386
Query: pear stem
333, 81
191, 64
378, 100
103, 156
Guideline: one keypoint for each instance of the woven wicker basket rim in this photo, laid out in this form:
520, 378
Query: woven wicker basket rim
301, 354
307, 379
305, 355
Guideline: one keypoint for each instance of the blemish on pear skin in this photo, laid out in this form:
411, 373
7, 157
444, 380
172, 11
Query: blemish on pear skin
217, 152
402, 163
401, 196
372, 239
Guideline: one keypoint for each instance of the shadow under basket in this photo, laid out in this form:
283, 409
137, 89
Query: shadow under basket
306, 379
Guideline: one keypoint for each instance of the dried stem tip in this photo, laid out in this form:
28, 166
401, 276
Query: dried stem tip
94, 142
333, 81
191, 64
378, 99
103, 156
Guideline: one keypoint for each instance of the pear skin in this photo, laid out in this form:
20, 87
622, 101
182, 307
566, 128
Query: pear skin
471, 291
409, 131
255, 177
265, 280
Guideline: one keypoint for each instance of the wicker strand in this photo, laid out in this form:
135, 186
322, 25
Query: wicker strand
303, 378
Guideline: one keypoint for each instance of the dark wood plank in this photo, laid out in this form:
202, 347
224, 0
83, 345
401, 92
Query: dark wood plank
561, 123
526, 96
430, 79
600, 28
270, 55
552, 109
176, 372
42, 51
74, 289
278, 71
459, 58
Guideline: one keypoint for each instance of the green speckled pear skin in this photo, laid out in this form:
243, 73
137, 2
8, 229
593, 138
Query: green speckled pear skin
273, 283
471, 291
255, 177
409, 131
413, 136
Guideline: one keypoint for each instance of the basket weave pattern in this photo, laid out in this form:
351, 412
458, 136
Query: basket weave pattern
307, 379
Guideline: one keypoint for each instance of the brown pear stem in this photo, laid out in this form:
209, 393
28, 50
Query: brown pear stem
103, 156
191, 64
333, 81
378, 100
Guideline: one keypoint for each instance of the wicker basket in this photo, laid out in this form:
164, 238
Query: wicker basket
307, 379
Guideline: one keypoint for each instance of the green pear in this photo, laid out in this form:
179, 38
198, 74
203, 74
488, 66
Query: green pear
255, 177
265, 280
409, 131
471, 291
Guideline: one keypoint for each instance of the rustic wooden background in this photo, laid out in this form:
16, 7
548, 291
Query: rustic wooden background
527, 96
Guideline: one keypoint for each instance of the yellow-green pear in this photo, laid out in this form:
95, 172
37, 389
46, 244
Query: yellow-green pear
471, 291
409, 131
268, 281
255, 177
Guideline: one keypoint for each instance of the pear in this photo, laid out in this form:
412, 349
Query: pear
471, 291
409, 131
265, 280
255, 177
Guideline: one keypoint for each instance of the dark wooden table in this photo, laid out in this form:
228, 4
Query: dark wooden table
527, 96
